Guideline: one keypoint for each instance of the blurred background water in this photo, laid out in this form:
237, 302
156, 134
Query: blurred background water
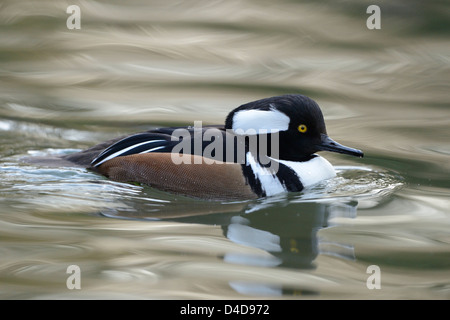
136, 65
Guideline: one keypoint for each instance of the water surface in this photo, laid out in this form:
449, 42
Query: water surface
147, 64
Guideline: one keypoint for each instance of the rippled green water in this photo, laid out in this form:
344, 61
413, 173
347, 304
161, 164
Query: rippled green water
155, 63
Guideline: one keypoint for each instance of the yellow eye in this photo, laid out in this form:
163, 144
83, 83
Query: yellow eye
302, 128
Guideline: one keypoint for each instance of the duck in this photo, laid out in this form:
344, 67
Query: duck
265, 148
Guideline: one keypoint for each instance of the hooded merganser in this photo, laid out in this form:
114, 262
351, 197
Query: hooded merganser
221, 162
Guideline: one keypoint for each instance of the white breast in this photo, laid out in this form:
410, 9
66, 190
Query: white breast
312, 171
309, 172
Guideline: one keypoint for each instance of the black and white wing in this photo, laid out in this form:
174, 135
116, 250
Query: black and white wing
137, 143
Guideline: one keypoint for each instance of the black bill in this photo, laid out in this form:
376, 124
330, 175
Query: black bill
328, 144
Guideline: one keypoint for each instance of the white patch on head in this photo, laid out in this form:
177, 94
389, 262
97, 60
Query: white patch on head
312, 171
254, 121
270, 183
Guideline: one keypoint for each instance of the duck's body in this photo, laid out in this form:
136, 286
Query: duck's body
266, 147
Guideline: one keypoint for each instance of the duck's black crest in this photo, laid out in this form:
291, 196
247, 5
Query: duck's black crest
296, 106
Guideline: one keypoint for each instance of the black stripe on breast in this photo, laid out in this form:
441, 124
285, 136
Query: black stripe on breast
252, 181
289, 178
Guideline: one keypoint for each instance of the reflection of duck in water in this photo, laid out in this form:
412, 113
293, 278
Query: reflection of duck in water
283, 232
273, 144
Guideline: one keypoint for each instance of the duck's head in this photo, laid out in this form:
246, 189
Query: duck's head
298, 120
